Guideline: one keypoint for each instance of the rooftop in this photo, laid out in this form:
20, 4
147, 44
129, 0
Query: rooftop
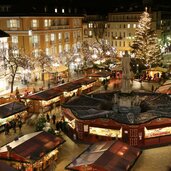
102, 105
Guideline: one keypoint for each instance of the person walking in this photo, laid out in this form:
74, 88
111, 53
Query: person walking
20, 124
47, 117
13, 125
7, 128
54, 118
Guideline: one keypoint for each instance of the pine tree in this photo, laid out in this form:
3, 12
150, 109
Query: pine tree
145, 45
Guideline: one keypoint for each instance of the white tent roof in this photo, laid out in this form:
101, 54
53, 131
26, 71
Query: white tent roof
20, 140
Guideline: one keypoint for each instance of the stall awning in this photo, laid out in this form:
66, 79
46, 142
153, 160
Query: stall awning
45, 94
12, 108
31, 147
109, 155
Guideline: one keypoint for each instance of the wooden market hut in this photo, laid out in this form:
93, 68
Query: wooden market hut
43, 101
32, 151
87, 85
106, 156
11, 111
100, 75
96, 117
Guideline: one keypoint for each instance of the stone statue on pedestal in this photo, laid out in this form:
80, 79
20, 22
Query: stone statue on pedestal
126, 74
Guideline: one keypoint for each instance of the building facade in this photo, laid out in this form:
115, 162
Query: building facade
119, 27
51, 33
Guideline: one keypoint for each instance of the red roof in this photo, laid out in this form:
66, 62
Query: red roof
11, 108
106, 156
31, 147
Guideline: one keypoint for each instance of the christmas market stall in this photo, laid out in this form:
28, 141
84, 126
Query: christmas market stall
87, 84
34, 151
11, 111
69, 90
156, 72
100, 75
140, 119
44, 100
106, 156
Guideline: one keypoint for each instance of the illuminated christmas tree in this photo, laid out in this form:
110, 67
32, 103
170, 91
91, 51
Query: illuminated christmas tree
146, 45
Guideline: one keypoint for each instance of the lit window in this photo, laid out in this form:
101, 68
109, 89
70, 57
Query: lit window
34, 23
90, 25
14, 39
59, 36
90, 33
134, 25
47, 23
63, 10
56, 10
128, 26
30, 32
35, 39
13, 23
52, 37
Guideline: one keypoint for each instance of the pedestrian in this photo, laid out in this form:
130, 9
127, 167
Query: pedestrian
20, 124
54, 118
7, 128
13, 125
57, 126
47, 117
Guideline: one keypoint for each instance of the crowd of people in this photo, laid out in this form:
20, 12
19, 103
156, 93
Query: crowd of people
14, 124
57, 123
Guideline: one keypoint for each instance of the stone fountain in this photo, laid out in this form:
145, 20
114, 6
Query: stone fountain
126, 101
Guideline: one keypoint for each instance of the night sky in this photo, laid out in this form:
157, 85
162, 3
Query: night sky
92, 6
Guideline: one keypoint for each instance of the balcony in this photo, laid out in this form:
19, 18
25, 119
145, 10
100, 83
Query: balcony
54, 27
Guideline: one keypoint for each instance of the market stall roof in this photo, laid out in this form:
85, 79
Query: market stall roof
160, 69
30, 147
101, 105
45, 94
58, 90
68, 87
6, 167
100, 74
84, 81
11, 108
108, 155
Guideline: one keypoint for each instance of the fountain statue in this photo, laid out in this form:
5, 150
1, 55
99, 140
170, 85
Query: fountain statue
126, 74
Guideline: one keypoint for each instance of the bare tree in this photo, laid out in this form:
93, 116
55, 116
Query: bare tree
97, 51
66, 58
12, 60
42, 60
99, 29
